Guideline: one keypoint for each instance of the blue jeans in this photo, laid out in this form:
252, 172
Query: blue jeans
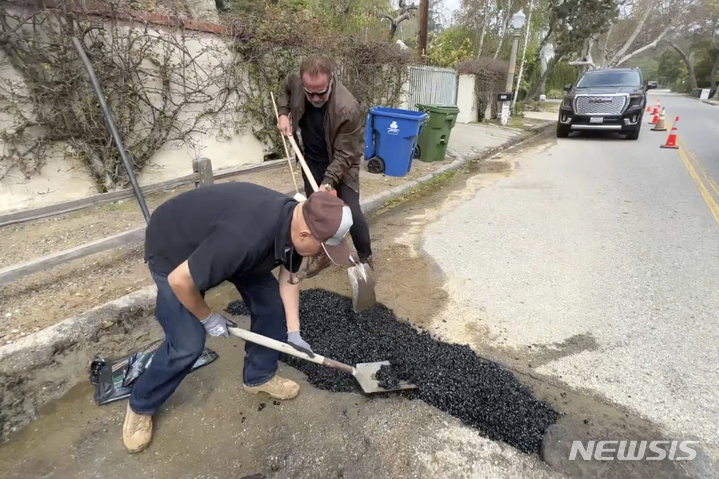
185, 340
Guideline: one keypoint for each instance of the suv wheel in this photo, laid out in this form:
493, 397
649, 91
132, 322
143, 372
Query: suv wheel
633, 134
563, 131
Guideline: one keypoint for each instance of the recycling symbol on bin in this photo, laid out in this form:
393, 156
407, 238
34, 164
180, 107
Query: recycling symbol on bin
393, 129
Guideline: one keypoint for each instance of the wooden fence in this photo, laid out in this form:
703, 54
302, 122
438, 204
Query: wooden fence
202, 176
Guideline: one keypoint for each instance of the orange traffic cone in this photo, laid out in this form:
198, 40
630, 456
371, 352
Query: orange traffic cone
672, 140
656, 108
660, 124
655, 119
649, 109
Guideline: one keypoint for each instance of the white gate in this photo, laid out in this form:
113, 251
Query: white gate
432, 85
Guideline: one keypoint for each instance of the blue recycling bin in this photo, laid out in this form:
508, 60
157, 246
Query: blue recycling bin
390, 139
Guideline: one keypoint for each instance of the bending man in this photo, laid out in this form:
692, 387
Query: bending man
237, 232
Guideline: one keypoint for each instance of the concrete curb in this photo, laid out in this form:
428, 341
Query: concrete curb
44, 366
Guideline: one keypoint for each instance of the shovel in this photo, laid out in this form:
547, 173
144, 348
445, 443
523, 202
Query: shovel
360, 275
364, 373
298, 196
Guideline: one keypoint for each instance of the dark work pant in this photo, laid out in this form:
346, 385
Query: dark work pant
261, 293
185, 340
360, 229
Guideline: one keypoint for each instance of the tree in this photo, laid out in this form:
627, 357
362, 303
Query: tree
573, 26
450, 47
695, 33
435, 22
641, 26
670, 70
403, 14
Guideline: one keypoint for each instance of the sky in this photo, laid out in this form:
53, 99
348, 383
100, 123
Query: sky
451, 6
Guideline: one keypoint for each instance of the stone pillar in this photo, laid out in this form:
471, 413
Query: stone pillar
467, 100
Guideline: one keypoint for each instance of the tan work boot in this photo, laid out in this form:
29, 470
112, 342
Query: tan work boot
314, 266
136, 431
277, 387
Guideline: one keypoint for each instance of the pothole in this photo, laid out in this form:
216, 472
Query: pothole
450, 377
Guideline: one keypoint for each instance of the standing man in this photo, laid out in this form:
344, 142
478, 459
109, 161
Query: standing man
237, 232
329, 127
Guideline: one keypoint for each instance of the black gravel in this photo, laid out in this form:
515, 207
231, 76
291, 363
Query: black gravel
450, 377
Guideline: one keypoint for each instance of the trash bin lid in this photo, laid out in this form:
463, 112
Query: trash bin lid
397, 113
438, 108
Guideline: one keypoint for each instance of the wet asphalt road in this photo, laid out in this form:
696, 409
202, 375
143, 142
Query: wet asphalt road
598, 259
698, 127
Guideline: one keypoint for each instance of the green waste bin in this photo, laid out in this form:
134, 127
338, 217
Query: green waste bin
433, 140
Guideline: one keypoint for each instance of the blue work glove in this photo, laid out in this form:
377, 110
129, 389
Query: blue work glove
296, 340
216, 325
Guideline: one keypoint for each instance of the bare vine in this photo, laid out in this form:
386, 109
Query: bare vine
160, 90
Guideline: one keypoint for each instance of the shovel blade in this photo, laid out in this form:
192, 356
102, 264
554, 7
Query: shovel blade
362, 286
366, 377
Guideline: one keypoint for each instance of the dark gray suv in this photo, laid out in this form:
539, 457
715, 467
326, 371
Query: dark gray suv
610, 100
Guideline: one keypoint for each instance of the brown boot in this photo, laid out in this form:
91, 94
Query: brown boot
136, 431
315, 264
277, 387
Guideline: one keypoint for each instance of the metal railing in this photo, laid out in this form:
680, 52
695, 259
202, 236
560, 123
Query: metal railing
432, 85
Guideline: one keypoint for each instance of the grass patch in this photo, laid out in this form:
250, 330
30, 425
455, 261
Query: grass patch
518, 123
548, 106
422, 190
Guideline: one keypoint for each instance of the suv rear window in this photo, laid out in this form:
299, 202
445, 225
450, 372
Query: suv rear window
609, 78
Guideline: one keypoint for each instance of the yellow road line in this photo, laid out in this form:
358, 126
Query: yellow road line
696, 161
708, 198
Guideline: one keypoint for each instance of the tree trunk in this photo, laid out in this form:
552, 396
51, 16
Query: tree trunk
689, 63
543, 80
484, 28
505, 26
602, 51
713, 75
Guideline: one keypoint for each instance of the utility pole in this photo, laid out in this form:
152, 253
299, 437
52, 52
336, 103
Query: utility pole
423, 14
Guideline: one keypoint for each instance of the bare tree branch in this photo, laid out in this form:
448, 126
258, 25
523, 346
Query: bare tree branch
646, 47
632, 38
403, 14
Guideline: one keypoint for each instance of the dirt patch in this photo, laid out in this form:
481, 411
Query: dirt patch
39, 300
35, 302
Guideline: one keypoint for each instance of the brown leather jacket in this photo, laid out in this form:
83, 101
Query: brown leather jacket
344, 129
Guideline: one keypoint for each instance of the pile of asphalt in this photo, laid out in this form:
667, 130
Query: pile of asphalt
450, 377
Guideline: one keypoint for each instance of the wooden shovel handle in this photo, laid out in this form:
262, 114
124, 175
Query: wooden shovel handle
308, 173
288, 349
274, 344
341, 366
